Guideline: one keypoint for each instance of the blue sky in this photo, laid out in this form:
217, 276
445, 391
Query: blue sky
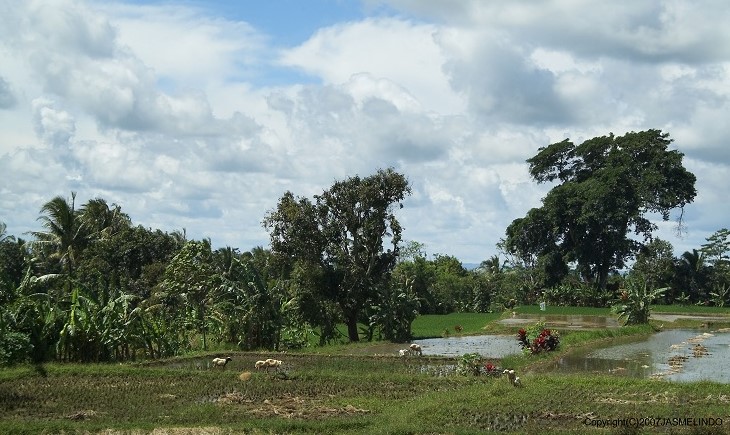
201, 114
286, 22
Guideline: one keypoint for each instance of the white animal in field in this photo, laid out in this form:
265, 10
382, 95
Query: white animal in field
267, 364
416, 349
404, 352
221, 362
510, 375
517, 382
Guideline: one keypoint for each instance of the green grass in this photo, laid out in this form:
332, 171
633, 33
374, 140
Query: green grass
433, 325
335, 394
328, 391
691, 309
572, 338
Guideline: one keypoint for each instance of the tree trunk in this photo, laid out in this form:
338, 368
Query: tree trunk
352, 332
602, 277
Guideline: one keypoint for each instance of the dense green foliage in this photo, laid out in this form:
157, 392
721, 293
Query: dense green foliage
608, 186
337, 246
91, 286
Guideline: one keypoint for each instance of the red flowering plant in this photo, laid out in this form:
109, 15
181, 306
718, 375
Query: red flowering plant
491, 369
472, 364
537, 338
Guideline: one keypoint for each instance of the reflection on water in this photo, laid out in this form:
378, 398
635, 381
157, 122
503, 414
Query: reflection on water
489, 346
562, 321
671, 355
681, 355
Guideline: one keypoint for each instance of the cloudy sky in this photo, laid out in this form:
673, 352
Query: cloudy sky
201, 114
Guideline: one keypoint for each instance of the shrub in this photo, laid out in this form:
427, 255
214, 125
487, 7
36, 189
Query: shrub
15, 347
537, 339
470, 364
634, 305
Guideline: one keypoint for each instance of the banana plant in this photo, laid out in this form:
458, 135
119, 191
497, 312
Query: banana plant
634, 305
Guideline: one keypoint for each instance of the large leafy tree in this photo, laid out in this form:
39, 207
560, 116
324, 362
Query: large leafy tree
608, 187
717, 251
655, 265
341, 238
451, 287
717, 248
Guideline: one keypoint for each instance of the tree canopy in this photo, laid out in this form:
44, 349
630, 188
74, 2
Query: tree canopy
608, 187
339, 240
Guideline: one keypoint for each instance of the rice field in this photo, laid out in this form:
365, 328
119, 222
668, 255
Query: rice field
351, 392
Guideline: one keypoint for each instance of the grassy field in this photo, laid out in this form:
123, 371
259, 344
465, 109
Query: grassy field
691, 309
439, 326
353, 393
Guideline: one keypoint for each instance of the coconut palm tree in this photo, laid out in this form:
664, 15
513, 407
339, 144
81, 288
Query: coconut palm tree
64, 237
101, 221
3, 231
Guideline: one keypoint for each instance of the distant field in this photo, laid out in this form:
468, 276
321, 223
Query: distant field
690, 309
440, 325
591, 311
550, 309
433, 325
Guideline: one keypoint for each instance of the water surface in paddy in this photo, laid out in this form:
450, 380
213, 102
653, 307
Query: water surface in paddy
682, 355
678, 355
671, 354
562, 321
488, 346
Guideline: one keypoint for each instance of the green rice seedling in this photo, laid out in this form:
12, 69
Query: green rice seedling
434, 325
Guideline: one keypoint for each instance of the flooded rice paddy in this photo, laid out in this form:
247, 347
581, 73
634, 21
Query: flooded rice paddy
488, 346
562, 321
681, 355
675, 355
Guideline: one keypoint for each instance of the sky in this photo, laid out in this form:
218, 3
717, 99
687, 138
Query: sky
200, 115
